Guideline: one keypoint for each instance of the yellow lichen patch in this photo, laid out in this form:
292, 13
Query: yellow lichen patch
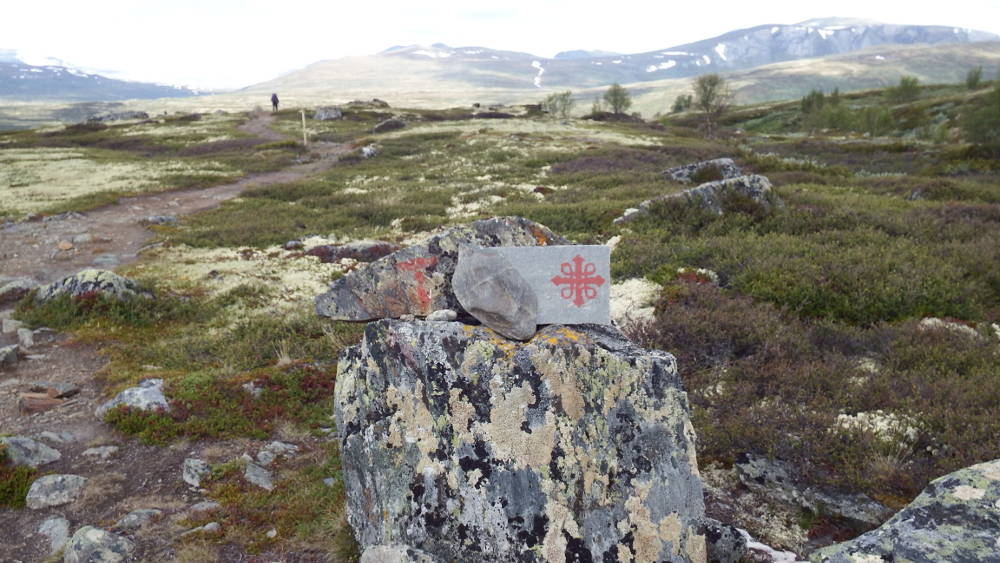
412, 423
560, 519
991, 470
562, 382
507, 440
965, 492
34, 179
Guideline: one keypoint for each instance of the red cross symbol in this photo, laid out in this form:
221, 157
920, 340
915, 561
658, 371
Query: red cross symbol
418, 266
579, 281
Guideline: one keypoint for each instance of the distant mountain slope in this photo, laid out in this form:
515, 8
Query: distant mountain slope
20, 81
442, 67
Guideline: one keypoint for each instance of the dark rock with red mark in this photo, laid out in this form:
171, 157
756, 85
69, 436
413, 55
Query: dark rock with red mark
361, 250
417, 279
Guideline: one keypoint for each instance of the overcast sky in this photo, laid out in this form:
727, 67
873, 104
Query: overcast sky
235, 43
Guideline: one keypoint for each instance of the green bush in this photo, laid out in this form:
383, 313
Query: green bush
907, 90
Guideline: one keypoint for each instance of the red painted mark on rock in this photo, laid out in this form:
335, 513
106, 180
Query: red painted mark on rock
579, 281
418, 266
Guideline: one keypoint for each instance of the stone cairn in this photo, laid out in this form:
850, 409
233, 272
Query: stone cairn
564, 443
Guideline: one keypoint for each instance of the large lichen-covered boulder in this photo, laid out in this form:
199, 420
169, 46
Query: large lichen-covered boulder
417, 279
956, 518
88, 281
573, 446
724, 168
714, 196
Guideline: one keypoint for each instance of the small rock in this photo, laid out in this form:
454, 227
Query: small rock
65, 245
159, 220
94, 545
274, 450
147, 396
64, 216
442, 315
210, 528
25, 337
58, 437
252, 388
491, 290
8, 356
205, 506
83, 238
30, 403
103, 452
293, 245
329, 481
370, 151
327, 113
56, 528
56, 390
54, 490
259, 476
391, 124
10, 326
25, 451
105, 261
272, 533
138, 518
194, 471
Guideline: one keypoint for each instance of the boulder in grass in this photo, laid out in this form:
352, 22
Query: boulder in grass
387, 125
722, 168
463, 446
94, 545
714, 196
328, 113
91, 281
417, 279
147, 396
25, 451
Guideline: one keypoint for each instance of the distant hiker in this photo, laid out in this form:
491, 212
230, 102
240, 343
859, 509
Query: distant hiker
274, 102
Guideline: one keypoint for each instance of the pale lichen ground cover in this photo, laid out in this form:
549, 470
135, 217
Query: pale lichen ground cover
32, 180
578, 133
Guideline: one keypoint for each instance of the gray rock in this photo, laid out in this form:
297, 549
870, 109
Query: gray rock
56, 529
396, 554
252, 388
54, 490
329, 481
470, 447
259, 476
83, 238
370, 151
11, 326
210, 528
147, 396
56, 390
159, 220
94, 545
105, 261
57, 437
103, 452
274, 450
390, 124
9, 356
725, 543
293, 245
137, 518
491, 290
956, 518
442, 315
194, 471
104, 282
725, 167
417, 279
25, 338
328, 113
205, 506
119, 116
68, 215
714, 196
14, 290
25, 451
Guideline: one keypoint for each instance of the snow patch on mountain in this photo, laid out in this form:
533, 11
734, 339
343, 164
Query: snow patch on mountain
432, 54
720, 50
662, 66
541, 70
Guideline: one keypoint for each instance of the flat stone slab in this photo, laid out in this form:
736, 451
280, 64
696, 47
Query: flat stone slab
572, 283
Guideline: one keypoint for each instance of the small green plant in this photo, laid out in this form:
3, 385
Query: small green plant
907, 90
974, 78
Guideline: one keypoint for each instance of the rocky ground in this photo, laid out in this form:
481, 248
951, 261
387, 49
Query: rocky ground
122, 475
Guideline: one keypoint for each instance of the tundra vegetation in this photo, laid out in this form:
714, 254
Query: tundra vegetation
891, 216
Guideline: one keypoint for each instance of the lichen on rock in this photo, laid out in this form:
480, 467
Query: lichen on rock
88, 281
575, 445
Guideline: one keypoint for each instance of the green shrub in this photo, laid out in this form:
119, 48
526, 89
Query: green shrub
974, 77
908, 89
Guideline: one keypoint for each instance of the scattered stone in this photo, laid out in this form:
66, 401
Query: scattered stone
442, 315
491, 290
159, 220
11, 326
58, 437
94, 545
25, 338
205, 506
713, 195
64, 216
56, 390
725, 543
88, 281
194, 471
210, 528
64, 245
83, 238
293, 245
119, 116
259, 476
14, 290
396, 554
417, 279
103, 452
147, 396
329, 481
272, 533
252, 388
361, 250
725, 167
370, 151
30, 403
56, 528
274, 450
25, 451
487, 446
138, 518
327, 113
391, 124
105, 261
54, 490
955, 518
8, 356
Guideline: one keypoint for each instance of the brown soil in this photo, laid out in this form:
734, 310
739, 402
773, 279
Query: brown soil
136, 476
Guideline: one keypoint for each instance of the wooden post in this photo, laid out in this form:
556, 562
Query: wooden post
305, 140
